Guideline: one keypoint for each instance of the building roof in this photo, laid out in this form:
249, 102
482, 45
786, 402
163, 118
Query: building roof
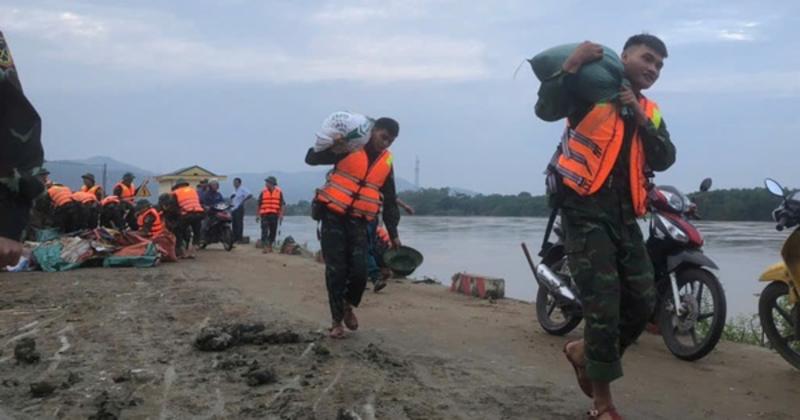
194, 170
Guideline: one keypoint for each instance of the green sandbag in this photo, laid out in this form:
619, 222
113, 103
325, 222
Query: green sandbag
149, 259
49, 258
597, 81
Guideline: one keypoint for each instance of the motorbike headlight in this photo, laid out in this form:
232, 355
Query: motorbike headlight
672, 229
675, 201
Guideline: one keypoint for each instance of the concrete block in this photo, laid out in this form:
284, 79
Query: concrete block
483, 287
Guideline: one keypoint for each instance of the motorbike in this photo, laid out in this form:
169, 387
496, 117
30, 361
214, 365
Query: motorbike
218, 227
691, 306
779, 303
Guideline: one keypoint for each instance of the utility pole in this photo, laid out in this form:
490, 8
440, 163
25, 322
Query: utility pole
105, 173
416, 173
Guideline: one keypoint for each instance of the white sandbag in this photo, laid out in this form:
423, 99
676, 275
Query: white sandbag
355, 128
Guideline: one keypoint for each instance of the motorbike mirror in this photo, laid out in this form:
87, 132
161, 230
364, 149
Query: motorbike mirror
774, 187
705, 185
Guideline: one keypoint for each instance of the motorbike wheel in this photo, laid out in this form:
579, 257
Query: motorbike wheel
556, 319
226, 237
780, 320
695, 333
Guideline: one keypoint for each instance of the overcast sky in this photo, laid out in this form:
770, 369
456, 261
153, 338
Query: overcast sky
241, 85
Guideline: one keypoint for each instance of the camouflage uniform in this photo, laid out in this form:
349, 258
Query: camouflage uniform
21, 153
344, 247
609, 262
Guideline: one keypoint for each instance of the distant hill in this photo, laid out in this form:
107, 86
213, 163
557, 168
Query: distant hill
68, 172
296, 186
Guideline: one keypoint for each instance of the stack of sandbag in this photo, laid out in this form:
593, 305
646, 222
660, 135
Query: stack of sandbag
598, 81
353, 127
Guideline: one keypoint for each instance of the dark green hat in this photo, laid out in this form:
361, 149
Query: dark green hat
271, 180
141, 205
128, 175
180, 182
403, 260
88, 176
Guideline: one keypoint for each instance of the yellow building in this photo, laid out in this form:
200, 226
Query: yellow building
193, 175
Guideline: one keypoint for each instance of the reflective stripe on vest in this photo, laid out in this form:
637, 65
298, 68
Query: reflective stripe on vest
128, 193
353, 187
59, 195
589, 151
111, 199
188, 200
270, 201
157, 225
84, 197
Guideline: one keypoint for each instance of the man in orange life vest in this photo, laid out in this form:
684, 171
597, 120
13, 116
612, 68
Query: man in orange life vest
90, 186
112, 213
149, 219
270, 209
598, 177
64, 209
191, 217
87, 212
359, 184
126, 192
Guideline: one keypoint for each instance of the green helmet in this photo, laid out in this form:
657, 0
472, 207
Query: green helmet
403, 260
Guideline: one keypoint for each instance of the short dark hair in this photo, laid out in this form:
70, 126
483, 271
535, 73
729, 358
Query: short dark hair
237, 179
387, 124
652, 41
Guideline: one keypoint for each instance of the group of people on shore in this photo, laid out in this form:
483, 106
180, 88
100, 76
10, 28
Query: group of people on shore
597, 180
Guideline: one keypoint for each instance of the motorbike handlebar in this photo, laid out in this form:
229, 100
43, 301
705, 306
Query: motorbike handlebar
783, 221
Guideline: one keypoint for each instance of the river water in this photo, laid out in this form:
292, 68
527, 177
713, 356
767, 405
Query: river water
491, 246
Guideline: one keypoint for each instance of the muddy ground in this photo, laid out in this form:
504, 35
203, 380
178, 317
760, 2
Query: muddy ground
241, 335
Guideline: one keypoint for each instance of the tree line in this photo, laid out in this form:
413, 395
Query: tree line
742, 204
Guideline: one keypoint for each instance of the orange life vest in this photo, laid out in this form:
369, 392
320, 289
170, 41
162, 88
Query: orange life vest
590, 150
111, 199
188, 200
157, 227
60, 195
270, 201
128, 193
353, 187
93, 190
84, 197
383, 235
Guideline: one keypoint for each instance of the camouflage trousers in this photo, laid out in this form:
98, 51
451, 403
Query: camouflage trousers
609, 262
344, 248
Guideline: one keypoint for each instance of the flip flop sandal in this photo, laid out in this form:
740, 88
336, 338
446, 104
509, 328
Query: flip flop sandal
336, 332
611, 411
350, 320
580, 373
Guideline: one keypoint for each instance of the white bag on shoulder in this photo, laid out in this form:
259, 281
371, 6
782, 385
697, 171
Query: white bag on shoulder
355, 128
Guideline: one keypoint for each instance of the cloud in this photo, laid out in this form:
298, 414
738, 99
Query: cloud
148, 47
712, 30
765, 83
350, 12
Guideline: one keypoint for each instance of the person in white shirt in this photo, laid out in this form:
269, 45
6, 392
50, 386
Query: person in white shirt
240, 195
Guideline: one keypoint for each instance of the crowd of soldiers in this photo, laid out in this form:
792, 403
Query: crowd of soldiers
70, 212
